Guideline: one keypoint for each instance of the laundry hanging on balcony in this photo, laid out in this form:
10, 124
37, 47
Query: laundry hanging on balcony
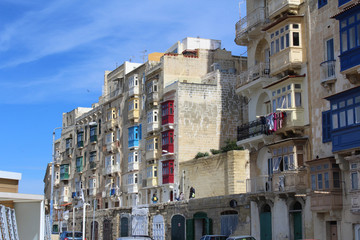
275, 121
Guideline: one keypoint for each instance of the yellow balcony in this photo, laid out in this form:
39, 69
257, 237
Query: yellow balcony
278, 6
287, 59
134, 115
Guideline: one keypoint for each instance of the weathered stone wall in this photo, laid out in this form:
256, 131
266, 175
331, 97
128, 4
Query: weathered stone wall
217, 175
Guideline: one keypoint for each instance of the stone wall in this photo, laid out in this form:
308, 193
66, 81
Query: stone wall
217, 175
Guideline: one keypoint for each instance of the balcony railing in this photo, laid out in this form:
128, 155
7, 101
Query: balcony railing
112, 169
253, 73
80, 144
151, 127
252, 129
153, 97
92, 165
132, 166
259, 184
133, 188
289, 57
253, 18
327, 71
133, 90
93, 138
64, 176
289, 181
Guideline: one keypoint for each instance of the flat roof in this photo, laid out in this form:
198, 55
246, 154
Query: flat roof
21, 197
10, 175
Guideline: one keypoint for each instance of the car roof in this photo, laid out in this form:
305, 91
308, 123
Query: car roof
240, 236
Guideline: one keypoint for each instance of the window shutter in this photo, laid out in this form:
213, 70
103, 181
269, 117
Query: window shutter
326, 126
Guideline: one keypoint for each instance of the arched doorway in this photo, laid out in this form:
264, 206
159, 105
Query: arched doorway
178, 227
265, 223
296, 220
158, 228
124, 227
107, 230
94, 231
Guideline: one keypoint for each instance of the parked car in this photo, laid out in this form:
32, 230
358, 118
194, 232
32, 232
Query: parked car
68, 235
241, 238
213, 237
135, 237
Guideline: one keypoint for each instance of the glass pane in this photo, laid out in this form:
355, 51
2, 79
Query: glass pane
287, 40
296, 39
343, 23
357, 99
326, 180
350, 101
357, 114
344, 46
351, 20
320, 183
334, 106
354, 181
352, 38
358, 33
335, 121
341, 104
313, 182
282, 45
342, 119
297, 99
277, 45
350, 116
336, 179
286, 163
295, 26
289, 100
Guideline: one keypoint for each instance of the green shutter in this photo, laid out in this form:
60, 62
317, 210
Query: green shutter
190, 229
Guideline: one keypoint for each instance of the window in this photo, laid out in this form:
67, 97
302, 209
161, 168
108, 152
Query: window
80, 139
313, 182
92, 157
321, 3
349, 32
345, 111
320, 183
167, 111
283, 159
282, 97
281, 40
326, 126
79, 164
168, 171
354, 181
93, 136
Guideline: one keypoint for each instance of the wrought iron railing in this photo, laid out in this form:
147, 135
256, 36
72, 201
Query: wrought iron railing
260, 70
252, 129
327, 70
253, 18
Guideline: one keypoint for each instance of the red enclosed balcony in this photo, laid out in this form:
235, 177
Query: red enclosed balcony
168, 142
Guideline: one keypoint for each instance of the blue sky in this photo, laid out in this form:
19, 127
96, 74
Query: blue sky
53, 55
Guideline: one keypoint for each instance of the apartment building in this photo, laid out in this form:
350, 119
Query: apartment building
302, 86
126, 149
335, 118
277, 129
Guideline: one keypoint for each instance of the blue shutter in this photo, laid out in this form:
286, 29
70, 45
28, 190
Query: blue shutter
321, 3
140, 131
326, 126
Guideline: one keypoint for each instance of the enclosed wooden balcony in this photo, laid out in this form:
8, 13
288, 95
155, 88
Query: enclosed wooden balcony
151, 182
326, 201
133, 166
110, 125
132, 188
277, 7
288, 59
134, 115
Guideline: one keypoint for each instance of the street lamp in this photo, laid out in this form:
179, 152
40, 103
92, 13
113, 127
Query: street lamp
53, 166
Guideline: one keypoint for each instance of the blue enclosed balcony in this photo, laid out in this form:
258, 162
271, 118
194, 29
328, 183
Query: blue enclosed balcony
341, 124
349, 27
134, 136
